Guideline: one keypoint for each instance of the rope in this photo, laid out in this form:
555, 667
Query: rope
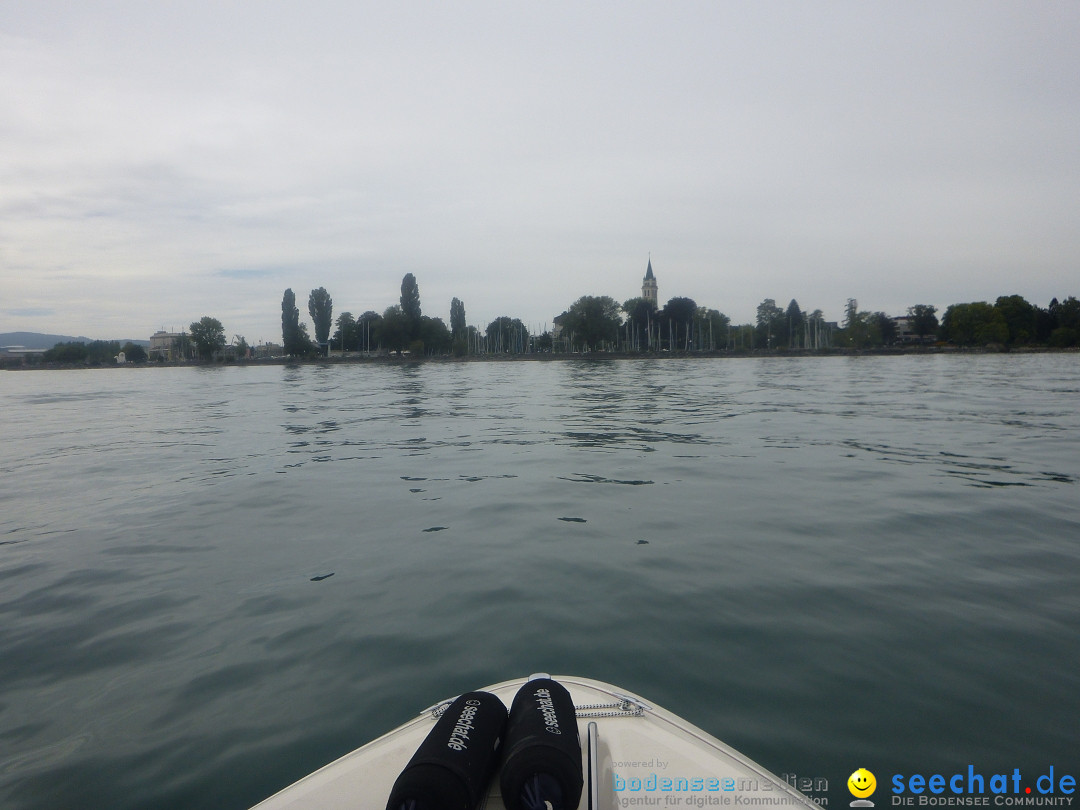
624, 708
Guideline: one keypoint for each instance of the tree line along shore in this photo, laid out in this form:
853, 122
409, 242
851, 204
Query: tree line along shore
600, 325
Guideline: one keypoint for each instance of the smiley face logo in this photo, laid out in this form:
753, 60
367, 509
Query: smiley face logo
862, 783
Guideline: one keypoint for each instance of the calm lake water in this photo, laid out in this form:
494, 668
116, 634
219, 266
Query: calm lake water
215, 580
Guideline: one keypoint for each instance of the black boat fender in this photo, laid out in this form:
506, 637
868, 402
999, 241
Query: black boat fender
541, 767
453, 765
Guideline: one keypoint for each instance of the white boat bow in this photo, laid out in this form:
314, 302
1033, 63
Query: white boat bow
634, 754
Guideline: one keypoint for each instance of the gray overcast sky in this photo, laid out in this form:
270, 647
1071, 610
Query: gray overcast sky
161, 161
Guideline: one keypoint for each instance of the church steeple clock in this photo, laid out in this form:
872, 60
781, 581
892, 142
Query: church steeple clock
648, 286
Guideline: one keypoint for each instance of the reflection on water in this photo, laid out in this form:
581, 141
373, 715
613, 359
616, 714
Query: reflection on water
216, 580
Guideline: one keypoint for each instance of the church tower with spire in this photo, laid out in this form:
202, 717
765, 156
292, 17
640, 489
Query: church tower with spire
648, 286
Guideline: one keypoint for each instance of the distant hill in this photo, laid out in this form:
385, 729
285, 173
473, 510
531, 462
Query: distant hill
36, 340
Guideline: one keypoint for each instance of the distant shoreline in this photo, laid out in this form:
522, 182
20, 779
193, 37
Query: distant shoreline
397, 360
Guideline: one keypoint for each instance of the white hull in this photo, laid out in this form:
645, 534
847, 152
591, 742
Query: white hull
643, 755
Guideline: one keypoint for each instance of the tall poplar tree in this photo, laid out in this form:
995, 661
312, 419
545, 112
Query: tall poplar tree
792, 324
290, 324
457, 319
321, 308
410, 304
